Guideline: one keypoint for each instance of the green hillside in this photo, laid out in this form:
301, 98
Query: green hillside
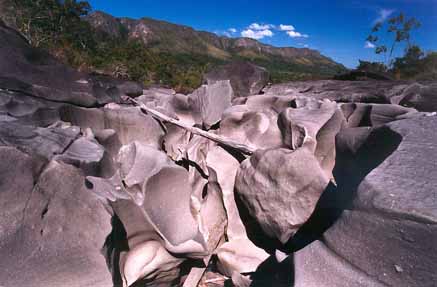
148, 50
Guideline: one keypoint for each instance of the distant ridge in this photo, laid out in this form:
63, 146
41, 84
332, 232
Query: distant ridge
161, 36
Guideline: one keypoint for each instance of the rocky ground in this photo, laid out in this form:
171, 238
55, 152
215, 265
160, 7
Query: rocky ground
325, 183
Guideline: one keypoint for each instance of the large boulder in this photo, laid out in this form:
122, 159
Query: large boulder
280, 188
210, 101
246, 79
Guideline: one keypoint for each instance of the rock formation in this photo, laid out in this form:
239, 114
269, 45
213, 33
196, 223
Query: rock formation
325, 183
246, 79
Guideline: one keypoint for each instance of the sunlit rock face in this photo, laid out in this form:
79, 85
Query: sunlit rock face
281, 199
53, 228
246, 79
94, 191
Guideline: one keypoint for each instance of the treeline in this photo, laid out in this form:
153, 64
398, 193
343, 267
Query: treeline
415, 64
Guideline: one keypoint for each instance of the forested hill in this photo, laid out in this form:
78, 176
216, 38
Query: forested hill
148, 50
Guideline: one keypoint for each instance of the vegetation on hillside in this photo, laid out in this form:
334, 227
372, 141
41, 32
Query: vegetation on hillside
58, 26
414, 64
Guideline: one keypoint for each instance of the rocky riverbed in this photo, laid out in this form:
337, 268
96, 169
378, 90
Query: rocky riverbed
339, 189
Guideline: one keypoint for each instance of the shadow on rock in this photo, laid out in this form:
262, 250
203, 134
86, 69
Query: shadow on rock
115, 243
355, 160
359, 151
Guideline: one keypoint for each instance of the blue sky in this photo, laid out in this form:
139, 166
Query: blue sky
337, 28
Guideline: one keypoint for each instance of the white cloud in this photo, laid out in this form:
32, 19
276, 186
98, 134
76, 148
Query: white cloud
232, 30
260, 31
295, 34
286, 27
369, 45
256, 34
261, 27
383, 14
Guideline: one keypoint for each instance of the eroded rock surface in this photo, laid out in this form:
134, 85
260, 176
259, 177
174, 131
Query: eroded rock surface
281, 199
53, 228
384, 233
246, 79
340, 188
415, 95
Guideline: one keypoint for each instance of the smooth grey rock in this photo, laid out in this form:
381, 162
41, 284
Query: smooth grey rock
137, 163
109, 139
240, 256
29, 110
332, 270
246, 79
415, 95
164, 194
146, 258
211, 214
258, 129
37, 73
275, 103
281, 199
167, 203
84, 153
211, 101
132, 125
162, 214
374, 115
176, 141
93, 118
315, 129
131, 89
385, 201
55, 229
225, 166
45, 142
43, 75
340, 91
419, 96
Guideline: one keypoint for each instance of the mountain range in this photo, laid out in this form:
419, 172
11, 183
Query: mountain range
151, 51
161, 36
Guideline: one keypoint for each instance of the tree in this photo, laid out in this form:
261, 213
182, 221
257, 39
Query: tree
372, 67
400, 27
411, 63
50, 22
